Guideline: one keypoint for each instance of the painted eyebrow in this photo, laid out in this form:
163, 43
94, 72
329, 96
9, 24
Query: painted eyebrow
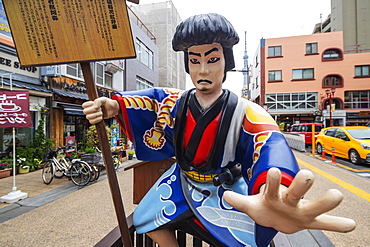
205, 54
210, 51
195, 54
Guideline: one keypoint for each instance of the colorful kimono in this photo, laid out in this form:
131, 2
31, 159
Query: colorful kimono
232, 132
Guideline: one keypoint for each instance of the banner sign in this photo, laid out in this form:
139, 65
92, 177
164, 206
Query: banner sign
48, 32
14, 109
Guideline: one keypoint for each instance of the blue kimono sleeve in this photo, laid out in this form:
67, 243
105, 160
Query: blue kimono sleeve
147, 118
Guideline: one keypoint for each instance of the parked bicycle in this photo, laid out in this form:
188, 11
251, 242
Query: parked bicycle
58, 166
93, 160
118, 153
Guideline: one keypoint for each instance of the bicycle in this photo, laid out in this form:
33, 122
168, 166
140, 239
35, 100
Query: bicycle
77, 170
93, 160
118, 153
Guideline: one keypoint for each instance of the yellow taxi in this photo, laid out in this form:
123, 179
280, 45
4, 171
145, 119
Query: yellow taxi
351, 142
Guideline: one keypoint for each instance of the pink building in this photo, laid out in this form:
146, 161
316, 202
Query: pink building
295, 78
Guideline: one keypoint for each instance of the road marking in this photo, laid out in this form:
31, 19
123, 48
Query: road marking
365, 174
345, 185
352, 169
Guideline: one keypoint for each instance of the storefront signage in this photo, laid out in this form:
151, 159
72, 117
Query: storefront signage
14, 109
48, 32
16, 65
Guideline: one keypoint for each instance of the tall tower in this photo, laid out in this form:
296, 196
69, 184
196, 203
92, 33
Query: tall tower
245, 70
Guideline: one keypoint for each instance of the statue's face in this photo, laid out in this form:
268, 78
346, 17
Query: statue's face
206, 67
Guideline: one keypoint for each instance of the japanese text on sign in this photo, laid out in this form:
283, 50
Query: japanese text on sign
62, 31
14, 109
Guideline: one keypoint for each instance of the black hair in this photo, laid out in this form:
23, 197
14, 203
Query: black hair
206, 29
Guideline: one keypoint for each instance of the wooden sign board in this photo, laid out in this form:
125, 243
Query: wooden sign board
47, 32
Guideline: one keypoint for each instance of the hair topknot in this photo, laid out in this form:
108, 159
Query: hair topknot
204, 29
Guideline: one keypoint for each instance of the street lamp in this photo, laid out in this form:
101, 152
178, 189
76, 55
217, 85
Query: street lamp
330, 95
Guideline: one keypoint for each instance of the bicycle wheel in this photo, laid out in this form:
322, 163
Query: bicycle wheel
95, 173
80, 173
58, 172
116, 162
48, 172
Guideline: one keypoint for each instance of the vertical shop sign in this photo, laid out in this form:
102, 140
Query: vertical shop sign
48, 32
14, 109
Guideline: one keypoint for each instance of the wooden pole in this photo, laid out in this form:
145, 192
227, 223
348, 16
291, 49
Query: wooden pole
108, 161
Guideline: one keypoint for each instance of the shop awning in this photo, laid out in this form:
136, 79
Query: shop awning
70, 94
71, 109
33, 85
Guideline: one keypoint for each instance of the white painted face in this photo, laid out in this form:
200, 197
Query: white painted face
206, 67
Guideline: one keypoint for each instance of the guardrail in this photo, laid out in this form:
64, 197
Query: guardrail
296, 141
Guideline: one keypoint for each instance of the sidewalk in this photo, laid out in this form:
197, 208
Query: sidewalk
61, 214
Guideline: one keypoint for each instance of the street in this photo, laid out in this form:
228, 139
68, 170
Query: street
356, 202
362, 170
85, 216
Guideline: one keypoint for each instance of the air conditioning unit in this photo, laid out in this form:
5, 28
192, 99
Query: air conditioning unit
112, 68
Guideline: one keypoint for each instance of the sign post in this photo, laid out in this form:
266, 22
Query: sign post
49, 32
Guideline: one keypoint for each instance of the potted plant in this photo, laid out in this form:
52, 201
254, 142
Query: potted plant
23, 165
130, 154
4, 169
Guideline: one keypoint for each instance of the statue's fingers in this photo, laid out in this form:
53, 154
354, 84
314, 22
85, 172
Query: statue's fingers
238, 201
324, 203
302, 182
87, 104
332, 223
273, 183
94, 117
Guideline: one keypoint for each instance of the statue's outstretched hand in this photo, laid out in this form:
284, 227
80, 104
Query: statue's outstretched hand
286, 211
100, 108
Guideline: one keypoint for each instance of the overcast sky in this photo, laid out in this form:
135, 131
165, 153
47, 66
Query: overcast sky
260, 18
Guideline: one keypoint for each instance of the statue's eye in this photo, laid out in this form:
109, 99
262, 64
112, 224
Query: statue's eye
213, 59
194, 61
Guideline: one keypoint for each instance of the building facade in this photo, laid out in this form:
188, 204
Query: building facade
353, 18
15, 77
162, 19
296, 79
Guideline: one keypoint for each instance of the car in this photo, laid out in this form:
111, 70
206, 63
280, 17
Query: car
351, 142
306, 130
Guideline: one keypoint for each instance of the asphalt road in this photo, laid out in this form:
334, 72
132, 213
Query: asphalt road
356, 202
362, 170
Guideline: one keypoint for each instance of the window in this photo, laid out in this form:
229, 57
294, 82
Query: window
108, 78
311, 48
141, 83
302, 74
144, 54
74, 69
357, 99
99, 73
332, 54
274, 51
362, 71
275, 75
340, 134
333, 81
292, 101
330, 132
